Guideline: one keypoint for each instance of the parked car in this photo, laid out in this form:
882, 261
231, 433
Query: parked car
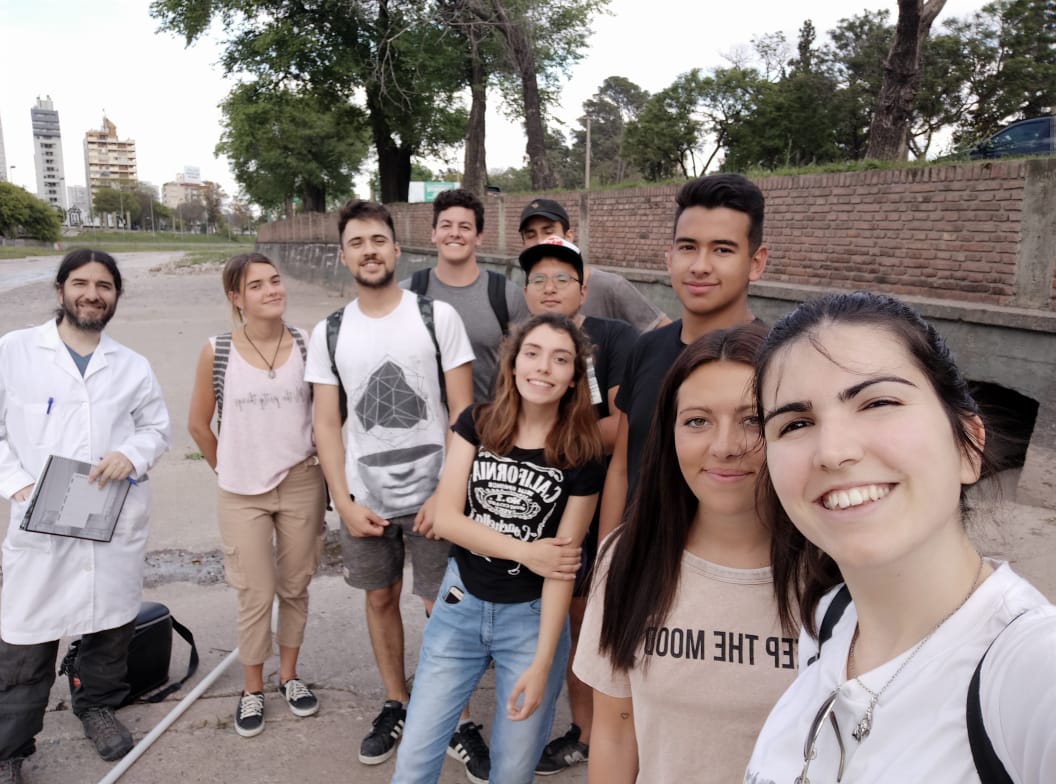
1036, 136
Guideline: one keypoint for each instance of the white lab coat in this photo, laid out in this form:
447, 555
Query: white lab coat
57, 586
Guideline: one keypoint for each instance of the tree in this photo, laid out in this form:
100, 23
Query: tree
889, 129
282, 145
616, 103
390, 54
533, 43
22, 214
213, 201
662, 140
121, 203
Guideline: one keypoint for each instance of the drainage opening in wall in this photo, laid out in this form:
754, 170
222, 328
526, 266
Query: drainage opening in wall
1010, 418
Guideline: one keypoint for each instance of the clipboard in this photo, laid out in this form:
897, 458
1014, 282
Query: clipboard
64, 503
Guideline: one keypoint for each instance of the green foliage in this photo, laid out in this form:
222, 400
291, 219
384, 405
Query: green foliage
282, 144
616, 103
511, 180
661, 141
22, 214
391, 55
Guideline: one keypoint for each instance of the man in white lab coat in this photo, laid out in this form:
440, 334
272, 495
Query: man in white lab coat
68, 389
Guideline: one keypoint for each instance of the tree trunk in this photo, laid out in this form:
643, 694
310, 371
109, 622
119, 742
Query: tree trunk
889, 128
475, 170
523, 56
313, 198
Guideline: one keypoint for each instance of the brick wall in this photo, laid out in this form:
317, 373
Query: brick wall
946, 232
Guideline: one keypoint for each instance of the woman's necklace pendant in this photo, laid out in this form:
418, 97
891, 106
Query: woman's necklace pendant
862, 728
271, 373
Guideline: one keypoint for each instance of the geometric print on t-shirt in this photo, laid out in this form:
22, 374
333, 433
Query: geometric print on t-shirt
387, 400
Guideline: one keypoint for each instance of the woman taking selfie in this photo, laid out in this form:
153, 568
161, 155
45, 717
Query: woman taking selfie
935, 664
271, 486
681, 639
517, 492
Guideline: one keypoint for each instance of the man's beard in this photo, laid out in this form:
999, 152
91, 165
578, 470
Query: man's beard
67, 314
380, 283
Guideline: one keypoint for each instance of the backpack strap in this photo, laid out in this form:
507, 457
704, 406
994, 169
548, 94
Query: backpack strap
300, 342
832, 616
425, 307
420, 282
221, 354
333, 328
987, 764
497, 298
192, 664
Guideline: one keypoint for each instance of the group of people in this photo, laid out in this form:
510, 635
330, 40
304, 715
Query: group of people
742, 550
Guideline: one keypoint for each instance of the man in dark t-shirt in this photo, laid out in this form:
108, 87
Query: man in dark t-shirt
553, 271
716, 252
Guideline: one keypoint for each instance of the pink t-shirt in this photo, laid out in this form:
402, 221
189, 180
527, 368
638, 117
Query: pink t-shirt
267, 427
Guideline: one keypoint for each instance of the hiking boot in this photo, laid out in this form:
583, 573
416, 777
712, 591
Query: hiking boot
299, 697
249, 715
111, 739
11, 771
561, 753
469, 748
379, 745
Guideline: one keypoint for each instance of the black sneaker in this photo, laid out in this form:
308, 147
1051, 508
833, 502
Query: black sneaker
379, 745
249, 715
469, 748
299, 697
111, 739
562, 752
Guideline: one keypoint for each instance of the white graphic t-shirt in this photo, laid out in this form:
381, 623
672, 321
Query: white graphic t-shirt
521, 496
396, 427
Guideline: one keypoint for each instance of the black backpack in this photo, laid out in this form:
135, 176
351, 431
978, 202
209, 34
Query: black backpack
496, 294
333, 328
149, 654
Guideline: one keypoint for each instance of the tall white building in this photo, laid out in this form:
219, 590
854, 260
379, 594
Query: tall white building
47, 153
3, 158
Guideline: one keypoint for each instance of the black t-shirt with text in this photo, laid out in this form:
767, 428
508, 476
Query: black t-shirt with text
521, 496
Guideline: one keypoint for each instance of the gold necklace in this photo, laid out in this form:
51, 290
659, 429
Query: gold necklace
865, 725
271, 365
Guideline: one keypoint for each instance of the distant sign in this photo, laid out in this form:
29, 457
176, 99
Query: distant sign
426, 191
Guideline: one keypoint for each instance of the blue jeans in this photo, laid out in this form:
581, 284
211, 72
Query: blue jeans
459, 641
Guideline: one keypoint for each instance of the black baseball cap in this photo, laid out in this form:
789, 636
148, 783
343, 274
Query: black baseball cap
544, 208
552, 248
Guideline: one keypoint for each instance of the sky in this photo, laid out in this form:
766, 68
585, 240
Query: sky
108, 56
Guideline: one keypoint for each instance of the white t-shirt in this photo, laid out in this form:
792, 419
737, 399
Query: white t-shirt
919, 731
705, 680
397, 425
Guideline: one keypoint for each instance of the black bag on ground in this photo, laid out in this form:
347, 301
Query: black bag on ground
149, 654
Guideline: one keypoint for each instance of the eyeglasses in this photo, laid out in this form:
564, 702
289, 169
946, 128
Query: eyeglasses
826, 713
559, 279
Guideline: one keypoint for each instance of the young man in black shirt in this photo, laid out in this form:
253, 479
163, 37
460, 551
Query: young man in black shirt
716, 252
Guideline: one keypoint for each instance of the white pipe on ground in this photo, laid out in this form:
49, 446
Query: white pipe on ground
140, 748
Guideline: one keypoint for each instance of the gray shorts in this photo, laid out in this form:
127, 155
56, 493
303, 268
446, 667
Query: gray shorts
373, 562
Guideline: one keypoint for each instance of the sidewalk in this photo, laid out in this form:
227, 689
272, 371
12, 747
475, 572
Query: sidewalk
167, 317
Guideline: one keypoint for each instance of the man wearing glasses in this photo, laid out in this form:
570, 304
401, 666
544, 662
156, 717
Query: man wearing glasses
553, 273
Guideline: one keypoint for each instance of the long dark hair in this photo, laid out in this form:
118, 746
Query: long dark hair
802, 572
574, 439
647, 549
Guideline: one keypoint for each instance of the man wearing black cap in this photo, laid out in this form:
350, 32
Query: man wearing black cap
553, 272
610, 295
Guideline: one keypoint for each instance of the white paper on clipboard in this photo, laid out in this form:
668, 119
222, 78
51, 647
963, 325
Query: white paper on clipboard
65, 503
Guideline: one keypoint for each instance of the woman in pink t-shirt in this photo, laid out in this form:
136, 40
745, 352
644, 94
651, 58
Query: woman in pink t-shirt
270, 484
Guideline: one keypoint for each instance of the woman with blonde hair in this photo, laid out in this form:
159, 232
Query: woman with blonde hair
271, 492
